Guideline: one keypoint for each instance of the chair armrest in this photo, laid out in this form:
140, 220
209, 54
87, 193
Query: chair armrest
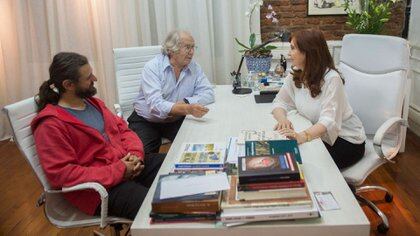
380, 133
118, 110
102, 193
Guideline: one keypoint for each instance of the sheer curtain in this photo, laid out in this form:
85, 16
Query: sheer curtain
414, 39
32, 32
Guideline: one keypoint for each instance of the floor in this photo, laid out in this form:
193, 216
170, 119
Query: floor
20, 216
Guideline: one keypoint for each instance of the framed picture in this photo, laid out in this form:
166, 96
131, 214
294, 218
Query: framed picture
329, 7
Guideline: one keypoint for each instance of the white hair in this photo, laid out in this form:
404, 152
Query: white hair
172, 42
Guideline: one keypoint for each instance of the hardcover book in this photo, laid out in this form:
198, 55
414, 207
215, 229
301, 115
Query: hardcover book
230, 199
235, 210
201, 156
166, 218
273, 185
272, 194
270, 147
204, 202
268, 214
268, 168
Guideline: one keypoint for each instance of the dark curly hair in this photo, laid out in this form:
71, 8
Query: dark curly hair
317, 60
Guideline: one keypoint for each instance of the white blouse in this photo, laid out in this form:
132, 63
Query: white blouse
330, 108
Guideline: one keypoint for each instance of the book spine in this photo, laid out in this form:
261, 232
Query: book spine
268, 217
274, 185
269, 178
185, 207
191, 220
193, 166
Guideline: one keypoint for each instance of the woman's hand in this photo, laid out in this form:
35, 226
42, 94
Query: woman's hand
283, 124
291, 134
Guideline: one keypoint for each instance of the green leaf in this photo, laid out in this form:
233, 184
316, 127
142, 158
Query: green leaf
252, 40
270, 47
241, 44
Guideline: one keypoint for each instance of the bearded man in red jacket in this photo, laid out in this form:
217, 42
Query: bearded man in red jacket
79, 140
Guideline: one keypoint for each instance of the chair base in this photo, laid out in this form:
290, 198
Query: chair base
384, 225
115, 230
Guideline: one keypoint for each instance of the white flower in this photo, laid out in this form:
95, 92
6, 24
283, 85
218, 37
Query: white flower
270, 7
272, 16
247, 13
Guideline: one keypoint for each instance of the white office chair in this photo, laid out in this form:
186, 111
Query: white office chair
56, 208
375, 70
129, 64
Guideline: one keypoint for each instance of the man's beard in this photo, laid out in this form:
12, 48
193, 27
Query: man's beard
86, 93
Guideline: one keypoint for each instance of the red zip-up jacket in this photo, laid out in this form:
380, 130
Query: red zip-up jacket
71, 152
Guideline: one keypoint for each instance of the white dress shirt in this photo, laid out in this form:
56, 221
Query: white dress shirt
330, 108
159, 89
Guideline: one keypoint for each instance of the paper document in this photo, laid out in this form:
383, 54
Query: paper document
259, 135
194, 185
234, 150
326, 201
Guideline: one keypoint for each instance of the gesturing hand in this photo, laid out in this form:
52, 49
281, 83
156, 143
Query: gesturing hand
291, 134
197, 110
283, 124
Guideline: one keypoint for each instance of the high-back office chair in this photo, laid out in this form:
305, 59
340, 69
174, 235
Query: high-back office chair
56, 208
129, 64
375, 70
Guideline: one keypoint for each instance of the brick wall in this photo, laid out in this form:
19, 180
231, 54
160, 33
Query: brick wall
292, 15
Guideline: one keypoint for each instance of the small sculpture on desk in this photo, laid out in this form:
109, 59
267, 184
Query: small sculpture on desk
237, 85
281, 66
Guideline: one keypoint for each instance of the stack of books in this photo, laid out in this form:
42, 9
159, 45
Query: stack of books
240, 211
269, 186
270, 176
191, 208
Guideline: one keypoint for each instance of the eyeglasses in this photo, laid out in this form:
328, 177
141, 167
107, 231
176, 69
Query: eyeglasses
188, 48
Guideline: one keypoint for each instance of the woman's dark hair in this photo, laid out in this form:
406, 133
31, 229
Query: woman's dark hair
318, 60
65, 66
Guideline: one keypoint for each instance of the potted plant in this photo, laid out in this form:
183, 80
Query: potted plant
258, 58
371, 17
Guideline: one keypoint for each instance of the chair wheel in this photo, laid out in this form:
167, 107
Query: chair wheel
388, 197
382, 228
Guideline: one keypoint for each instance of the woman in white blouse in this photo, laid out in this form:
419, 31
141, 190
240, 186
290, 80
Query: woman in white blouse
316, 90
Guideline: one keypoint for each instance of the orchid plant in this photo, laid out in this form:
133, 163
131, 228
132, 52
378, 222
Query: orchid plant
252, 49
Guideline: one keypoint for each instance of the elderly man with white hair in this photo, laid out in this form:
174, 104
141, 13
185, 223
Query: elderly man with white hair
172, 86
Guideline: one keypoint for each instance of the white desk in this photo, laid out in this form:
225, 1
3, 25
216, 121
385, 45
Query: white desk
230, 114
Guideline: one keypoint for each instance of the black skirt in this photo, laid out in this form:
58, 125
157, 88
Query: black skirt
345, 153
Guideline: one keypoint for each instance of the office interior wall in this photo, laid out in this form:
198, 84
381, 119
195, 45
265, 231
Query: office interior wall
293, 15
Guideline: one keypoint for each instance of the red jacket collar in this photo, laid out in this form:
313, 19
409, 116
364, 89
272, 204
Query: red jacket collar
60, 113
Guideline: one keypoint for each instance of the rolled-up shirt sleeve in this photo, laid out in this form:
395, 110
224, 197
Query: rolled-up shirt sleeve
152, 89
285, 97
203, 91
331, 115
